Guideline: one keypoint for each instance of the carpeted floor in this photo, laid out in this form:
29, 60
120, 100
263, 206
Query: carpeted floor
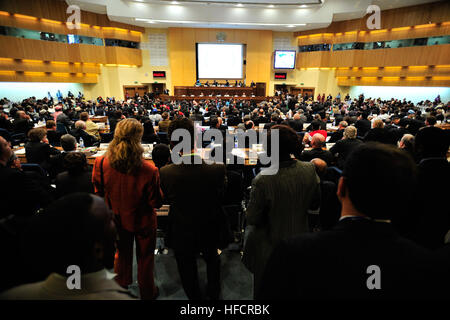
237, 281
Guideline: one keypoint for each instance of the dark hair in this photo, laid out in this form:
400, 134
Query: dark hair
275, 117
37, 134
366, 172
160, 155
315, 125
432, 142
148, 128
213, 122
64, 235
84, 116
289, 141
75, 162
50, 124
181, 123
431, 120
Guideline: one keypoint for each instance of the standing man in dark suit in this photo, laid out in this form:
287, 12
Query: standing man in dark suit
193, 224
362, 257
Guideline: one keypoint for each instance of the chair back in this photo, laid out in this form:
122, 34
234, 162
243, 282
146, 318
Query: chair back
34, 167
163, 137
106, 137
333, 174
5, 134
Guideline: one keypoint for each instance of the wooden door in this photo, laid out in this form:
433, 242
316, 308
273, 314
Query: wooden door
158, 88
129, 92
142, 90
296, 91
309, 91
132, 90
260, 89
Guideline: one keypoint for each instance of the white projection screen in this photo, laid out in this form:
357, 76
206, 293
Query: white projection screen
220, 61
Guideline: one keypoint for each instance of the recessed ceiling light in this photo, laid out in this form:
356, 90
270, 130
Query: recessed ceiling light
303, 6
290, 26
271, 6
175, 2
239, 4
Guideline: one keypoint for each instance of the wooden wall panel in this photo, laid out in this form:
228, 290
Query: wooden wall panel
436, 12
414, 71
340, 58
412, 56
120, 55
37, 65
61, 28
183, 58
56, 10
424, 31
90, 53
404, 82
12, 76
18, 48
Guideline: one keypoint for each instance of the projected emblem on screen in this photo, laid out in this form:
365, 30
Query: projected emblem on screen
219, 61
284, 59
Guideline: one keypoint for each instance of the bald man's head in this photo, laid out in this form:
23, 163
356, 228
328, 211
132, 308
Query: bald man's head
317, 141
321, 166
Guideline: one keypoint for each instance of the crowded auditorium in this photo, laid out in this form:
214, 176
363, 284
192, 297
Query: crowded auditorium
211, 151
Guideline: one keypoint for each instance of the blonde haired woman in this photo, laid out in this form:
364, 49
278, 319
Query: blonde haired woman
130, 186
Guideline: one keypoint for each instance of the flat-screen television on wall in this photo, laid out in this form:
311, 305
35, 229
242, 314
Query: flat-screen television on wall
284, 59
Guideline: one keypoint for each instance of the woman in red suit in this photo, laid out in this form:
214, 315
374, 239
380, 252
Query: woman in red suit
131, 189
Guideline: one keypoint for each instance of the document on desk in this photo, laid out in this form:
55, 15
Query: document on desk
239, 152
20, 151
99, 153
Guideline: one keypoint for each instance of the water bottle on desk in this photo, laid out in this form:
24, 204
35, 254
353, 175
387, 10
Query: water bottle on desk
81, 142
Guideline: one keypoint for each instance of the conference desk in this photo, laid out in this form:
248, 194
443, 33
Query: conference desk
214, 91
214, 98
99, 119
445, 126
92, 153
